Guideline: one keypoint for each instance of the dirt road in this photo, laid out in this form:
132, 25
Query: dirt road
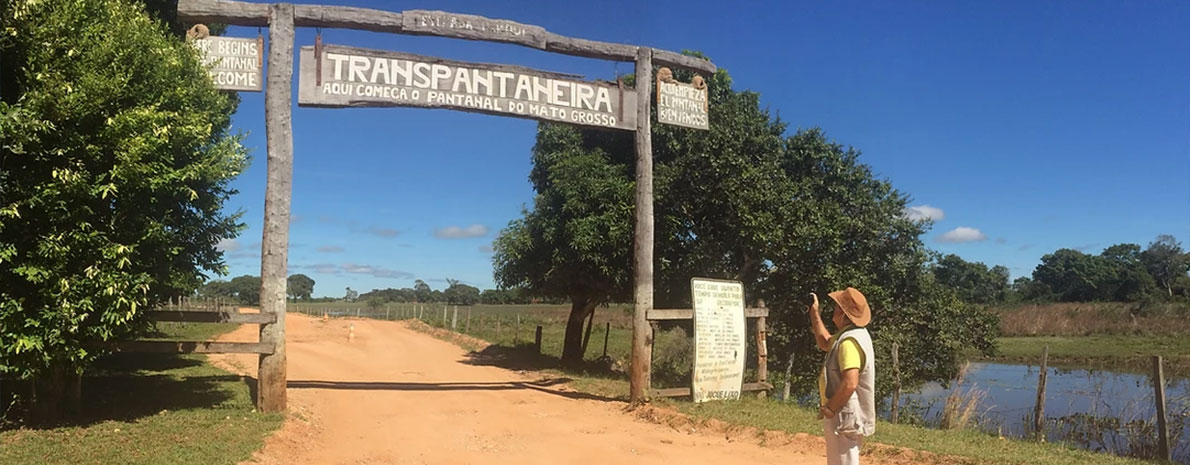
392, 395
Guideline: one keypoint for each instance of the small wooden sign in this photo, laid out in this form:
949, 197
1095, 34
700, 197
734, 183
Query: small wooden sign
441, 23
682, 104
719, 335
234, 62
355, 77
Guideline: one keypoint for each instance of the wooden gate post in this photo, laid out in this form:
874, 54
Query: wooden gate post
270, 392
762, 351
1163, 450
896, 397
1039, 409
642, 259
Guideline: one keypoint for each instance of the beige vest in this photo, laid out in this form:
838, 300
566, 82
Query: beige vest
858, 417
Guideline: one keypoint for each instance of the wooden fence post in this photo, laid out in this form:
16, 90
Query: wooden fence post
1039, 411
1163, 449
270, 393
788, 379
468, 326
537, 340
896, 397
516, 335
762, 351
607, 331
642, 256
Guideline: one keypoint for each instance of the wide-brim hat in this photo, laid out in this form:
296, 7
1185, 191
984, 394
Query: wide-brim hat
854, 304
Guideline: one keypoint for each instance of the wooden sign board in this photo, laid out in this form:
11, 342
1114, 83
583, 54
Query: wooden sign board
441, 23
719, 335
234, 62
355, 77
681, 104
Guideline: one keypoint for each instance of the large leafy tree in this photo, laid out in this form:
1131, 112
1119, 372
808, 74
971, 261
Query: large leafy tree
299, 286
973, 281
115, 159
460, 294
576, 243
785, 215
1166, 261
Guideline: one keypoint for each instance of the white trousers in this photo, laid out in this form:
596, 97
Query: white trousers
840, 450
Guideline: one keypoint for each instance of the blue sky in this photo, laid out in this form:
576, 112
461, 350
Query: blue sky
1025, 126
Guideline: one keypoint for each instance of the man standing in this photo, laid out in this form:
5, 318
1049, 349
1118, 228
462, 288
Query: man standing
846, 385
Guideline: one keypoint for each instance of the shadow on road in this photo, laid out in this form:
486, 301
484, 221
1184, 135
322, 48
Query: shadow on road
540, 386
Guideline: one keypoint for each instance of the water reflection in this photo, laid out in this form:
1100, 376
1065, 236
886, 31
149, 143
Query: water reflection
1095, 409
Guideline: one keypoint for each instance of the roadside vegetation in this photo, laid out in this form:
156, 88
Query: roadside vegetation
150, 408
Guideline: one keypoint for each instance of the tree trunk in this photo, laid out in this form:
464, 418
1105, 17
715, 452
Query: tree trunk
49, 396
572, 345
587, 336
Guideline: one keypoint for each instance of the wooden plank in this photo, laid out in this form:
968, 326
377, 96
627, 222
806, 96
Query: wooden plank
465, 86
640, 376
270, 397
212, 317
685, 391
472, 27
257, 14
687, 313
762, 352
190, 347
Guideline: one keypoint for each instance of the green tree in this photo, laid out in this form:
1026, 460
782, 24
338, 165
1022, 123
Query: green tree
1128, 280
116, 160
422, 291
973, 281
784, 215
299, 286
576, 242
1165, 261
460, 294
246, 289
351, 295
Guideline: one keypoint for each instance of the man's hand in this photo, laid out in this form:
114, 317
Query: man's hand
814, 304
824, 412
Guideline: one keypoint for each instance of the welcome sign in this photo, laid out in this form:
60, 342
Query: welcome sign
349, 77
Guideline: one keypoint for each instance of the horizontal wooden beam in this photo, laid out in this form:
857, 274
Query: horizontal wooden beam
212, 317
190, 347
687, 313
685, 391
367, 19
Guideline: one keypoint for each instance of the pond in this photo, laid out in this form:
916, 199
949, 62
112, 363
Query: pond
1093, 409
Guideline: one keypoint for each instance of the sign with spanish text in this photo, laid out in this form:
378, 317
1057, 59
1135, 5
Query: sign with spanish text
682, 104
719, 336
233, 62
352, 77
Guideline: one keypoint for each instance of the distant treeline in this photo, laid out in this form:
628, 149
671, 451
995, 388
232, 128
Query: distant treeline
246, 291
1120, 273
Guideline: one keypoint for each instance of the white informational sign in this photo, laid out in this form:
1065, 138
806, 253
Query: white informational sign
682, 104
719, 332
234, 62
352, 77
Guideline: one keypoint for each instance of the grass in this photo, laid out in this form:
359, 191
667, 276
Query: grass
1114, 352
961, 445
964, 446
152, 408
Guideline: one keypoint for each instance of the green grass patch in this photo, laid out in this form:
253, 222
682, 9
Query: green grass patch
972, 446
152, 408
1128, 353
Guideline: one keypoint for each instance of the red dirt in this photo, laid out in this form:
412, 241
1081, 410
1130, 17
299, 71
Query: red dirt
393, 395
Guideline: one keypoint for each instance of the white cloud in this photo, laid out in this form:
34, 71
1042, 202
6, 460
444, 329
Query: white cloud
384, 232
228, 245
486, 249
353, 268
455, 232
962, 234
330, 249
924, 212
